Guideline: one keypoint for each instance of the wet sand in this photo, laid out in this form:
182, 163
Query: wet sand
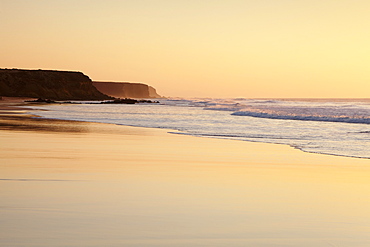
66, 183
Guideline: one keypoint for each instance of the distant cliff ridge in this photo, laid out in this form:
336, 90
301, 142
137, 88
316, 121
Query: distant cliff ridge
51, 84
126, 89
67, 85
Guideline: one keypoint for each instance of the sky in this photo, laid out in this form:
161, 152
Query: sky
198, 48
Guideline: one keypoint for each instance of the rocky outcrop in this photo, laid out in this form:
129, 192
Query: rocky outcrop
126, 89
128, 101
50, 84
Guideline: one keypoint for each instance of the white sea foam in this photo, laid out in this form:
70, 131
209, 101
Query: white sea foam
344, 119
297, 110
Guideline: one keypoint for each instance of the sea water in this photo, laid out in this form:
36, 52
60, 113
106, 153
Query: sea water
325, 126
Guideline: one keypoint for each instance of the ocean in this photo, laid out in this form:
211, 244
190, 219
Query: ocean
325, 126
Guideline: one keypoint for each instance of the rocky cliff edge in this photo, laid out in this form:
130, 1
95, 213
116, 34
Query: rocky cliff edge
51, 84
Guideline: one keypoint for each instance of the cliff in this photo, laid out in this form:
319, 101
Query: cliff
50, 84
126, 89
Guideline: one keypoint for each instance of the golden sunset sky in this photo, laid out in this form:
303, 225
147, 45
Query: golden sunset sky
201, 48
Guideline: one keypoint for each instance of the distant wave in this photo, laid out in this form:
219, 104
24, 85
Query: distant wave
234, 107
265, 101
360, 120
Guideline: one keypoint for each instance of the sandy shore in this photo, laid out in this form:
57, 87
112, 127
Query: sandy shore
66, 183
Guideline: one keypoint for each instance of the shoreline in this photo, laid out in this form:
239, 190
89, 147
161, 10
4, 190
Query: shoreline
13, 105
14, 117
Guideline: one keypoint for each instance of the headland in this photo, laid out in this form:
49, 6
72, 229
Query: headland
66, 85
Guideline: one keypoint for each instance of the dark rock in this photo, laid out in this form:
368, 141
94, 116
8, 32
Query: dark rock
127, 101
41, 100
48, 84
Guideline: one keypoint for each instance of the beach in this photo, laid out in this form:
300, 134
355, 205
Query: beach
70, 183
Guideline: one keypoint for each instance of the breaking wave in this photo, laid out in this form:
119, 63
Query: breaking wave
343, 119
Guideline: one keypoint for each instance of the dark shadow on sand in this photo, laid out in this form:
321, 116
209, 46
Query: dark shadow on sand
23, 122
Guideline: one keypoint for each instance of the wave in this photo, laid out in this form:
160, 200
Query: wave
345, 119
234, 107
190, 116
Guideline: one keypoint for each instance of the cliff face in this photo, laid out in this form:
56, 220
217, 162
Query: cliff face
153, 93
126, 89
50, 84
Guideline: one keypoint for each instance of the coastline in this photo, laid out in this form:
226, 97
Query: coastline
68, 183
